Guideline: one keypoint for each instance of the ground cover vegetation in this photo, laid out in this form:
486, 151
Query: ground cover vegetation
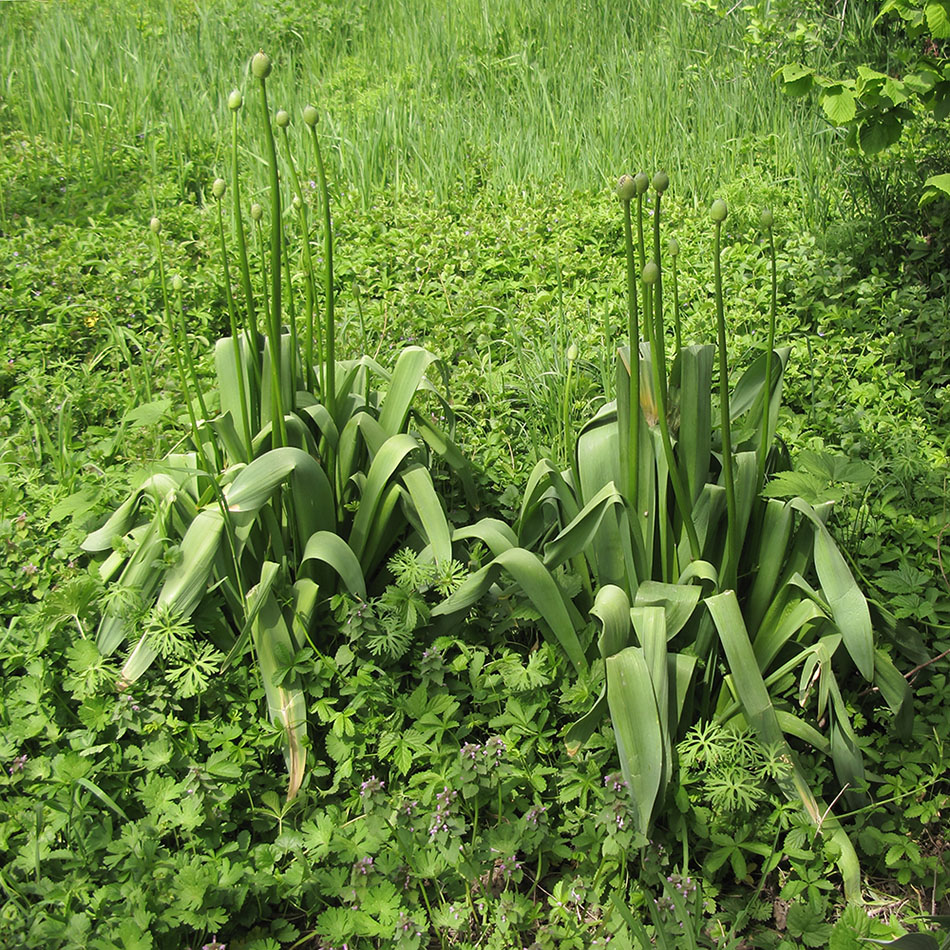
417, 534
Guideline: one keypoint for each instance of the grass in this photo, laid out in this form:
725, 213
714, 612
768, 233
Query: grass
502, 95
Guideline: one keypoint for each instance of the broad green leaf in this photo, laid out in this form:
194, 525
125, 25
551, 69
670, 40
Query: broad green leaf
407, 377
677, 600
381, 472
612, 609
915, 941
439, 442
527, 570
286, 704
797, 80
880, 132
896, 692
147, 414
938, 19
761, 715
496, 535
428, 507
584, 727
636, 722
140, 577
934, 187
694, 440
775, 535
847, 603
253, 601
331, 549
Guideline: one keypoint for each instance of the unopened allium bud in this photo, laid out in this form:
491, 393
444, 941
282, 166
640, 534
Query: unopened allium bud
297, 203
642, 182
283, 118
155, 225
626, 188
661, 181
257, 212
674, 247
767, 219
651, 272
572, 353
310, 115
235, 100
177, 283
218, 187
718, 211
260, 65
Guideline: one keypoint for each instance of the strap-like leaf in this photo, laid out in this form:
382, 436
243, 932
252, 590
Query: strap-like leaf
331, 549
847, 603
540, 587
636, 722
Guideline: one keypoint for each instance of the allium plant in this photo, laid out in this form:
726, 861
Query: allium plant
686, 568
304, 473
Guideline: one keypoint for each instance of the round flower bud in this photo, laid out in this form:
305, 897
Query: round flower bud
642, 182
235, 100
626, 188
155, 225
218, 187
651, 272
767, 220
572, 353
310, 116
718, 211
297, 203
661, 181
260, 65
257, 212
177, 283
283, 118
674, 247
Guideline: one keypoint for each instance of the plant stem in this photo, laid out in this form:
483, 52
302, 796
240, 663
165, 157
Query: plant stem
730, 567
767, 394
308, 265
235, 338
279, 432
633, 335
330, 330
250, 323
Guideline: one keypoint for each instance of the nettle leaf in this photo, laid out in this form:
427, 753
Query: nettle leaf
938, 20
881, 131
796, 79
839, 104
936, 186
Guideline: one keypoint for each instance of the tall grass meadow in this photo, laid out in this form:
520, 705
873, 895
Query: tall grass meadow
499, 94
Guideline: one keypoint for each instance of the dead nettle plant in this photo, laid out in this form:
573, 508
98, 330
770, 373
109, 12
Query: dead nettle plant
304, 472
685, 568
